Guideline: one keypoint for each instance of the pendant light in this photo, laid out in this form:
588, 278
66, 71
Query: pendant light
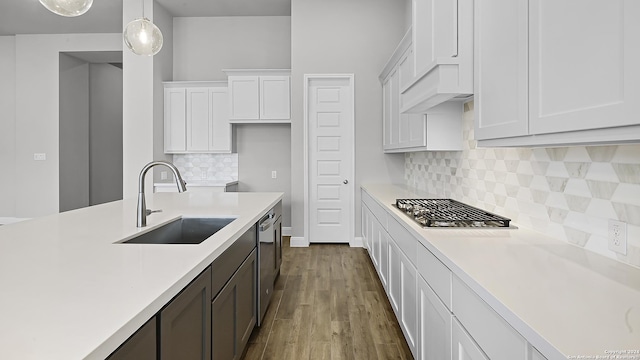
69, 8
142, 36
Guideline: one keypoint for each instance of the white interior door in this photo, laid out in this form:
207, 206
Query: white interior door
330, 141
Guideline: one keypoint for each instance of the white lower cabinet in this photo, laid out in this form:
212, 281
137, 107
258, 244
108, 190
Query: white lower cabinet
402, 293
395, 279
464, 348
494, 335
440, 316
434, 325
409, 302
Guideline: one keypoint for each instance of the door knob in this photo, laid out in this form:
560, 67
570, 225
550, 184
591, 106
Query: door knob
345, 182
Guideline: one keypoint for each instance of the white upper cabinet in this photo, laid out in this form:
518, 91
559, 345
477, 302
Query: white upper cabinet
556, 72
175, 119
259, 96
441, 54
501, 75
438, 128
244, 102
196, 118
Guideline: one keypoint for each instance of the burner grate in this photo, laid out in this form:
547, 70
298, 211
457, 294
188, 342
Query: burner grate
449, 213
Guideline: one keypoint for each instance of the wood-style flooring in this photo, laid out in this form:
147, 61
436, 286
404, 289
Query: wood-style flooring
328, 303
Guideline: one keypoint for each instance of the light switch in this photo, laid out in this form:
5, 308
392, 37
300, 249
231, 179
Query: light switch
39, 156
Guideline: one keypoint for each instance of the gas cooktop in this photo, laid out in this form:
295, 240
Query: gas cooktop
449, 213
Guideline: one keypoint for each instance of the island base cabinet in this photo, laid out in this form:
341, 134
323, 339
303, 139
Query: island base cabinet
140, 346
234, 312
464, 348
185, 324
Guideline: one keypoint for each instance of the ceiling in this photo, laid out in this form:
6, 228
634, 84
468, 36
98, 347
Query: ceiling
105, 16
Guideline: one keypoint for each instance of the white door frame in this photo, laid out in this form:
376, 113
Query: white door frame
351, 172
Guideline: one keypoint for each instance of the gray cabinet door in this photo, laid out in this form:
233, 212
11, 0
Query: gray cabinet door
140, 346
234, 312
185, 323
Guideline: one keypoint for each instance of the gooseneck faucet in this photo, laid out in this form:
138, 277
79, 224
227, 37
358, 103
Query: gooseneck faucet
142, 212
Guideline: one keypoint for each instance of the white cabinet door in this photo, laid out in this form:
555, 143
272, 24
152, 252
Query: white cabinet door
175, 119
394, 122
395, 279
374, 251
402, 292
197, 119
243, 97
220, 129
435, 32
409, 302
434, 327
387, 110
406, 69
364, 226
584, 60
464, 348
383, 269
275, 98
501, 68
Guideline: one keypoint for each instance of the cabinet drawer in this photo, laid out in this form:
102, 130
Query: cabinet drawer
226, 264
378, 211
492, 333
435, 273
406, 242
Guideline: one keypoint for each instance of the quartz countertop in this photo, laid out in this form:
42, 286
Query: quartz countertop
69, 292
565, 300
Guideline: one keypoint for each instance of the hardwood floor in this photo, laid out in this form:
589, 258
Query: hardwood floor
328, 303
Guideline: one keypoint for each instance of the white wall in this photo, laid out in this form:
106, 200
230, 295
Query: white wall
261, 150
162, 71
7, 125
37, 69
345, 36
253, 42
74, 133
203, 46
105, 133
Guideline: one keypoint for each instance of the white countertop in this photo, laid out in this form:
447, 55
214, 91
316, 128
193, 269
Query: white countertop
200, 183
69, 292
563, 299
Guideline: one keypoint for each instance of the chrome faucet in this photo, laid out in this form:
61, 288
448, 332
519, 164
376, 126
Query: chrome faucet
142, 212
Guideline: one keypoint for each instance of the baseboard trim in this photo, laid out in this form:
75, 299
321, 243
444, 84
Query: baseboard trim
357, 242
286, 231
298, 241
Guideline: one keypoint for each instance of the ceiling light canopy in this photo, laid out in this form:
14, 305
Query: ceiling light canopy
143, 37
69, 8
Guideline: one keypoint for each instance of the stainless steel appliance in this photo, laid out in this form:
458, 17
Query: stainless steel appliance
266, 262
277, 230
449, 213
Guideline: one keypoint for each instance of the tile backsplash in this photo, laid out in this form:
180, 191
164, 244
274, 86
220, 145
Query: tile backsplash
213, 167
569, 193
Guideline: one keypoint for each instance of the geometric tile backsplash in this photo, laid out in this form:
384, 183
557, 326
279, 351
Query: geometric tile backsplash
569, 193
198, 167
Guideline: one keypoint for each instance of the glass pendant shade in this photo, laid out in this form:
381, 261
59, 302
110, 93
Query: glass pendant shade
68, 8
143, 37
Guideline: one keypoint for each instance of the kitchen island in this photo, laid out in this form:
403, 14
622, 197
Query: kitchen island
70, 290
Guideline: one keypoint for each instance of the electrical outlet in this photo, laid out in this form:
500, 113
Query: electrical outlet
163, 175
40, 156
274, 174
618, 236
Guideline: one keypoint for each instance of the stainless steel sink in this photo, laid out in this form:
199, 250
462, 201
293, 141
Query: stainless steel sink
182, 231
